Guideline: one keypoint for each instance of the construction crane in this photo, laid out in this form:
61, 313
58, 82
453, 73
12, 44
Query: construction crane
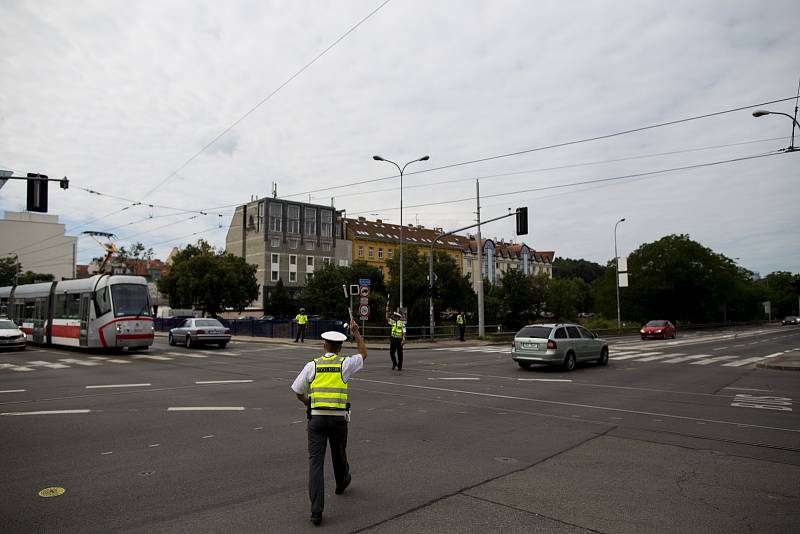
108, 246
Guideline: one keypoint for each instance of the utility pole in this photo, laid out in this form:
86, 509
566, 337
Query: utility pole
479, 281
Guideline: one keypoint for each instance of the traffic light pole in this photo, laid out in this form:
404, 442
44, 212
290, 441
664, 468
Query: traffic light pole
430, 265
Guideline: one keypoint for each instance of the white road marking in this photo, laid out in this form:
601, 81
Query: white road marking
119, 386
153, 445
208, 436
223, 381
456, 378
745, 361
205, 409
749, 389
151, 357
48, 412
637, 355
721, 348
187, 355
49, 365
659, 357
18, 368
86, 363
13, 391
687, 358
106, 452
546, 379
713, 360
226, 353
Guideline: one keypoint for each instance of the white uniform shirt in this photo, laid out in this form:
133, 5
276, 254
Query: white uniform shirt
350, 366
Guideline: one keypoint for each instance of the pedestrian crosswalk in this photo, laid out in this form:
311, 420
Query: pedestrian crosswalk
631, 355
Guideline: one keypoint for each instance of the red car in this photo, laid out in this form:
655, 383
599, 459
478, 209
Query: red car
658, 329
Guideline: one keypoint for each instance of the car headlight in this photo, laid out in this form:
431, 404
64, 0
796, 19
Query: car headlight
642, 331
658, 331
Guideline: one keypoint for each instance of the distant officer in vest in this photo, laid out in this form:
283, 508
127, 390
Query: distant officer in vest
462, 324
323, 387
302, 320
397, 340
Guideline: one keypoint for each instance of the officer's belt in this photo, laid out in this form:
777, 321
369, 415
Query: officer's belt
340, 413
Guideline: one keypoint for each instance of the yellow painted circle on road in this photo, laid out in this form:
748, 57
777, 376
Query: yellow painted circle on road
52, 492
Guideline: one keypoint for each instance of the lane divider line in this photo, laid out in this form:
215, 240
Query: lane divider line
48, 412
205, 409
223, 382
119, 386
545, 379
14, 391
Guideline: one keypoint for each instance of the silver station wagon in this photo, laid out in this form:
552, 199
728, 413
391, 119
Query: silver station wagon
561, 344
200, 331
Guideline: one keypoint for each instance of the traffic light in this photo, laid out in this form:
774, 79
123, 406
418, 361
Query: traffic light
64, 183
37, 192
522, 221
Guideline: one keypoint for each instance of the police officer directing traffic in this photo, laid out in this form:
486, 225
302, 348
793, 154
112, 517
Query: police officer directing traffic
323, 387
302, 320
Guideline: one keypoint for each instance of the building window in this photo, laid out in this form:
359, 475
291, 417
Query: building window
293, 215
275, 265
275, 242
360, 251
326, 260
260, 218
292, 260
326, 223
274, 276
380, 253
310, 262
293, 276
391, 253
275, 215
343, 263
309, 245
310, 227
325, 246
294, 243
371, 252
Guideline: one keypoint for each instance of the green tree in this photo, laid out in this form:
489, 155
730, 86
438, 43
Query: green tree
208, 280
565, 298
279, 300
30, 277
323, 293
778, 289
587, 271
8, 270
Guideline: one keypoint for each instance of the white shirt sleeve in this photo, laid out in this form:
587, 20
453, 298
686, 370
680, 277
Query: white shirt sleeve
351, 365
303, 381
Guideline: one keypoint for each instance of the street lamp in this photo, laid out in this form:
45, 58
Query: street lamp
379, 158
762, 112
616, 271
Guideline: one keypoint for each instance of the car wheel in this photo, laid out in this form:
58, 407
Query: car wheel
642, 338
223, 344
674, 334
525, 365
188, 341
170, 339
22, 347
569, 361
603, 359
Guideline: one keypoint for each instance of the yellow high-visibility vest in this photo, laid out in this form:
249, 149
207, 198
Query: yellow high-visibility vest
328, 390
301, 318
397, 328
460, 319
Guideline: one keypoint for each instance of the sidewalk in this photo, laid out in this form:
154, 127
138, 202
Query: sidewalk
348, 346
788, 361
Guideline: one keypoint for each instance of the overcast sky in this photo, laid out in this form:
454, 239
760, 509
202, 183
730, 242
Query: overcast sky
119, 95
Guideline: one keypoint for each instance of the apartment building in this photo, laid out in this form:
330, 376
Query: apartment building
287, 241
499, 257
39, 242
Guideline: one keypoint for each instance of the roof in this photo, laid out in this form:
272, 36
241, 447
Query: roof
414, 235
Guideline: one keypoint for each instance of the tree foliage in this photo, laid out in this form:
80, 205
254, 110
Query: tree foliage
588, 271
10, 268
208, 280
778, 289
279, 300
323, 294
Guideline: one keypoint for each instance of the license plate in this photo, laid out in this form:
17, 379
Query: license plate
530, 345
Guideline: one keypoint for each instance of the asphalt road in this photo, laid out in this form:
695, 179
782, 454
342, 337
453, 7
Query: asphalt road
672, 436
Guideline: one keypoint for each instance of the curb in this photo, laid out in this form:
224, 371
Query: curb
781, 363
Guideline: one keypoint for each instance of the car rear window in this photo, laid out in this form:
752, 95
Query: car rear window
207, 322
535, 331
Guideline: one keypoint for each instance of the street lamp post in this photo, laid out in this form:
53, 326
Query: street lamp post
616, 271
762, 112
379, 158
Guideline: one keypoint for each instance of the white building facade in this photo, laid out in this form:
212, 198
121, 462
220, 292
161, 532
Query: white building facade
39, 242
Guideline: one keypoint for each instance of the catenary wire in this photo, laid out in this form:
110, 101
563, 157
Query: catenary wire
265, 99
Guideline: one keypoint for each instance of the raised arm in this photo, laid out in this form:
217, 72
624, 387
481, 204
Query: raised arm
362, 347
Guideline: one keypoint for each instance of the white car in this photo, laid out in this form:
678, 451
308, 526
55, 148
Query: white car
11, 337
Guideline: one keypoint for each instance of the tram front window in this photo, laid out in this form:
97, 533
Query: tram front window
130, 299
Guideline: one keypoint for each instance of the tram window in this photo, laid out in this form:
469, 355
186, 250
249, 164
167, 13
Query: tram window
102, 302
73, 305
30, 309
3, 307
60, 310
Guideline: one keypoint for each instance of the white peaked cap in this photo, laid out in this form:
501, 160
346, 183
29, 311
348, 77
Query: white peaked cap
336, 337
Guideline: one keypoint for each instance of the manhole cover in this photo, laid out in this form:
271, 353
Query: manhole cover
52, 492
506, 460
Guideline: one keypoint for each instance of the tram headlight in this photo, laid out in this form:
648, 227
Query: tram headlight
119, 328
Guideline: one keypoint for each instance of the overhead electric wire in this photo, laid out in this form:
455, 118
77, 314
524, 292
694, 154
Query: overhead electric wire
265, 99
561, 167
546, 147
573, 184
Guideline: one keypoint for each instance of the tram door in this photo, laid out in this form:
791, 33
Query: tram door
84, 314
39, 319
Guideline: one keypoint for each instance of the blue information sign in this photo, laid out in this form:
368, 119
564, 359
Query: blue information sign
363, 281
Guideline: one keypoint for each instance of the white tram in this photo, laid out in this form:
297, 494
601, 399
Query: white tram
104, 311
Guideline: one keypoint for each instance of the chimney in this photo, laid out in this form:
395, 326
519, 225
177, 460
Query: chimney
378, 221
362, 219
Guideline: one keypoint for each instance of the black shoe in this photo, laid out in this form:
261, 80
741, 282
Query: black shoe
399, 368
340, 489
394, 367
316, 517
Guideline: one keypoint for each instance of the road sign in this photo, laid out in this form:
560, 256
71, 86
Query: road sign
353, 290
623, 264
364, 291
363, 311
623, 279
363, 281
364, 300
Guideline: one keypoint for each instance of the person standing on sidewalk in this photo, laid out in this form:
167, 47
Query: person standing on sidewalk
302, 320
462, 324
323, 387
397, 340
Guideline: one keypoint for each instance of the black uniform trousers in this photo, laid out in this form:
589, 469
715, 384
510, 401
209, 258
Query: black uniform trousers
461, 329
396, 346
321, 430
301, 333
